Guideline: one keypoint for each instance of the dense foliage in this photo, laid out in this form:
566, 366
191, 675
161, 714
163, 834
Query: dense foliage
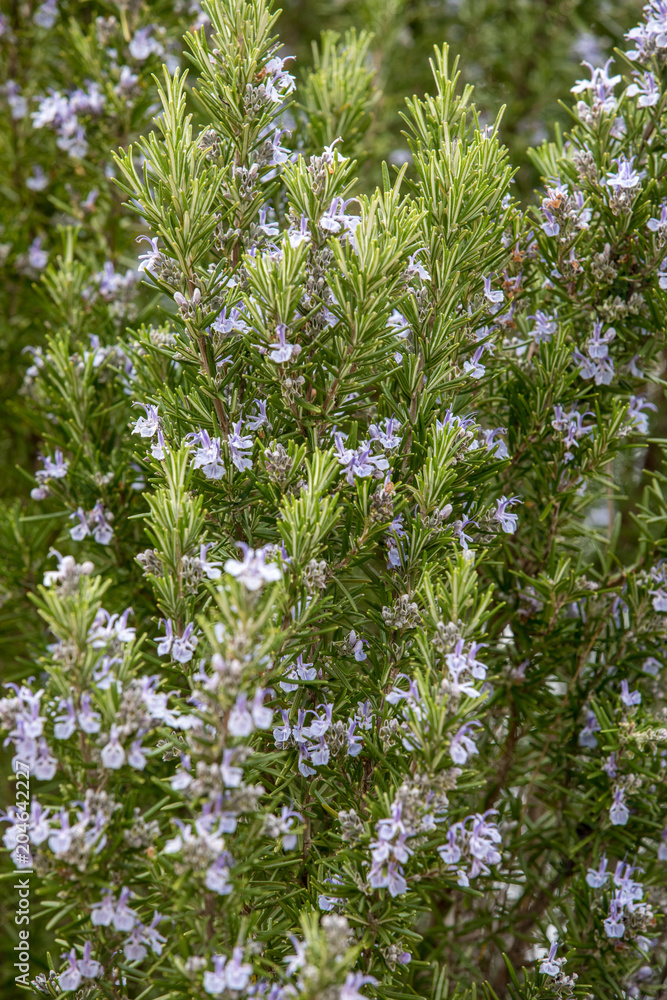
343, 677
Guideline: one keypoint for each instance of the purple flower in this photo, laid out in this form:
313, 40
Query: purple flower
101, 914
597, 344
360, 463
587, 736
38, 180
415, 267
462, 746
181, 647
278, 81
508, 522
258, 419
625, 177
493, 297
142, 45
551, 965
601, 84
355, 980
636, 417
647, 89
124, 918
475, 368
65, 724
89, 720
113, 754
237, 445
387, 436
108, 628
628, 697
37, 257
659, 599
619, 814
301, 671
613, 925
71, 977
551, 227
283, 351
90, 969
148, 261
596, 877
356, 645
253, 571
227, 324
45, 17
601, 371
655, 225
207, 457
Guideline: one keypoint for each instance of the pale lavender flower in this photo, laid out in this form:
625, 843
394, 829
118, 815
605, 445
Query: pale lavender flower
89, 967
353, 983
127, 82
237, 446
415, 267
278, 81
587, 736
647, 89
143, 45
227, 323
356, 644
89, 720
124, 918
596, 877
207, 457
107, 628
214, 982
253, 572
37, 180
148, 261
508, 522
637, 418
628, 697
625, 177
497, 448
619, 814
259, 418
656, 225
551, 227
659, 599
613, 925
495, 297
387, 436
301, 671
37, 257
360, 462
475, 368
102, 913
544, 327
113, 754
551, 965
70, 979
283, 351
462, 746
600, 84
45, 17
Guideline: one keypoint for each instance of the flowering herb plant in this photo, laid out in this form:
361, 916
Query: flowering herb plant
352, 682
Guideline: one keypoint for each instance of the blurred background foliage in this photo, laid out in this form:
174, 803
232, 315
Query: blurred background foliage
523, 54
